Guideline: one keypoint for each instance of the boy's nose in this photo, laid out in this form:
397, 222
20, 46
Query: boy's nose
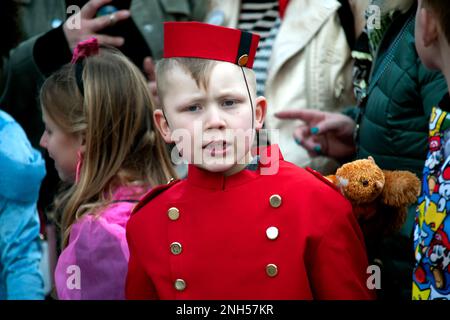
214, 119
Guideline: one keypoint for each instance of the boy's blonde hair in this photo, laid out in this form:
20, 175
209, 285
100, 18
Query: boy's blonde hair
115, 118
442, 9
199, 69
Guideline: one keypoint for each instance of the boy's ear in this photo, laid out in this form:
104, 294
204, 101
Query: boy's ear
429, 24
260, 112
162, 125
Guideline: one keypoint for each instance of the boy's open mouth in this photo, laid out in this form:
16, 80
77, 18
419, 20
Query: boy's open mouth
216, 148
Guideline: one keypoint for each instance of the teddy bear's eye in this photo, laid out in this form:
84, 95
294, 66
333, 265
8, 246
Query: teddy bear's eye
365, 183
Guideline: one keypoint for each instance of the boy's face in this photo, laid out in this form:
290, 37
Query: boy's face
426, 36
212, 127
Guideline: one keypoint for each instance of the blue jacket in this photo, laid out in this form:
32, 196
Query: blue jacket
21, 172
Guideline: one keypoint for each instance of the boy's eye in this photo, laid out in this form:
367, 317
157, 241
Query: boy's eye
193, 108
228, 103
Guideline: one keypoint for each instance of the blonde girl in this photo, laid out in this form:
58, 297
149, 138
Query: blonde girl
99, 130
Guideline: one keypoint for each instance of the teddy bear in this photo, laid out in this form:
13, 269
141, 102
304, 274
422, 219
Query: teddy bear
380, 198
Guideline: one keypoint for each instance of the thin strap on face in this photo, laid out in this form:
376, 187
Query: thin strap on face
250, 97
164, 115
253, 109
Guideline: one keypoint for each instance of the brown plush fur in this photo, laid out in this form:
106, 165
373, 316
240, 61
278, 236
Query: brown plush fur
401, 188
380, 198
361, 181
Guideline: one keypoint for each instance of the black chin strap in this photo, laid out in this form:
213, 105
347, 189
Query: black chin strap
164, 115
253, 110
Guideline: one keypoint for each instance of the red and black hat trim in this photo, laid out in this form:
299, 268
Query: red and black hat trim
244, 49
206, 41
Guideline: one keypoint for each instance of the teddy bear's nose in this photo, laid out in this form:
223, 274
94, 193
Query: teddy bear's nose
365, 183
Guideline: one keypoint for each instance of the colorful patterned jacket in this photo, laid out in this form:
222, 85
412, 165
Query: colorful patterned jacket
431, 278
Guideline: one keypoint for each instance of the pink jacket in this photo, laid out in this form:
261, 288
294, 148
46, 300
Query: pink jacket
94, 264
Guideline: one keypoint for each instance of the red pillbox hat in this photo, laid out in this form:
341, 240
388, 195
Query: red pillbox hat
207, 41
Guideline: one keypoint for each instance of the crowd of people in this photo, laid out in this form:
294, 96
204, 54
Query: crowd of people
154, 149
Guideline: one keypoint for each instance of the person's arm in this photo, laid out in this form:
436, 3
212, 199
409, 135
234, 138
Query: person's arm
19, 84
51, 51
23, 73
20, 251
338, 265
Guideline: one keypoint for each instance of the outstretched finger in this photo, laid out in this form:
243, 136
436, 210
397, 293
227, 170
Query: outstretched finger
327, 125
306, 115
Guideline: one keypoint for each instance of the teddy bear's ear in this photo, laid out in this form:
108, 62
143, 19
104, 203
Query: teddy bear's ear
400, 189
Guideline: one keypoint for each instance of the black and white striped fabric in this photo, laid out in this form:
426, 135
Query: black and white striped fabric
261, 17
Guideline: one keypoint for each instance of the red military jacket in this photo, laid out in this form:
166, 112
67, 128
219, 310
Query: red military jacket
247, 236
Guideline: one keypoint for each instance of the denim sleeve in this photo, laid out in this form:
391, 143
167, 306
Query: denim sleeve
20, 251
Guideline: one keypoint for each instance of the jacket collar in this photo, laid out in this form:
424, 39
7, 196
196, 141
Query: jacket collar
269, 157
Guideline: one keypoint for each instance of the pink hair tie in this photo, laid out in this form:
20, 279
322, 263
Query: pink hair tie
85, 49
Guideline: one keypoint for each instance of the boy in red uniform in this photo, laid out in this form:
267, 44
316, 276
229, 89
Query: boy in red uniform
242, 225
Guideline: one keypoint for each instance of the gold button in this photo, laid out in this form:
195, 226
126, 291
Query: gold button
176, 248
180, 284
275, 201
173, 214
271, 270
272, 233
242, 62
